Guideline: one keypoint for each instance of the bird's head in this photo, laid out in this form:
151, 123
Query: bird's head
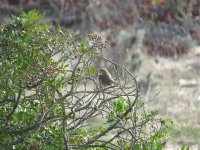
102, 71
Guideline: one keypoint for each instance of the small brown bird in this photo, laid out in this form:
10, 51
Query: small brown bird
105, 78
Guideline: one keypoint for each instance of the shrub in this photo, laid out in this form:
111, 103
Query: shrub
50, 97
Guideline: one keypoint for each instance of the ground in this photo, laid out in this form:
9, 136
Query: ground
176, 94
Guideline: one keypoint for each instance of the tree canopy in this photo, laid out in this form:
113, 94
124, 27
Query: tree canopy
50, 96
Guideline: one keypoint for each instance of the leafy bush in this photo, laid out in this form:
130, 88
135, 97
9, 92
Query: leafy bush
50, 97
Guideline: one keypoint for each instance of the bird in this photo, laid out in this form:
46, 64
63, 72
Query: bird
105, 78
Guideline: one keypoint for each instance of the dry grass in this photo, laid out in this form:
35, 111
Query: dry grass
178, 95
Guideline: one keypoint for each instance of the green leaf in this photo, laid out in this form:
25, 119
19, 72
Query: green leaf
51, 147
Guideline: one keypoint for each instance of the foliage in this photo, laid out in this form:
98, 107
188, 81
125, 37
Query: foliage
50, 97
184, 147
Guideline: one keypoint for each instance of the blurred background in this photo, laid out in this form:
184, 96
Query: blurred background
157, 40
